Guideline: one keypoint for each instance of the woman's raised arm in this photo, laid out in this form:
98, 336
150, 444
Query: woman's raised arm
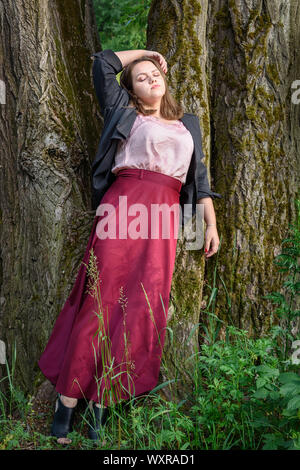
106, 66
128, 56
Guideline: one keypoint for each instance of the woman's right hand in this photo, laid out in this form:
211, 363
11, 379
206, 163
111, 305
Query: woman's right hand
160, 59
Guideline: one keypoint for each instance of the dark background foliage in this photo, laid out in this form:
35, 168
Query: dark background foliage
122, 24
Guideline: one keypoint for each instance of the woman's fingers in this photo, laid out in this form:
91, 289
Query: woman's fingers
163, 64
162, 61
211, 243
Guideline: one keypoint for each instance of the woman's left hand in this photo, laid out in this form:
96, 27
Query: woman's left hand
160, 58
212, 241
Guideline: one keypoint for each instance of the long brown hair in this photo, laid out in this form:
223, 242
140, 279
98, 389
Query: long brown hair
169, 108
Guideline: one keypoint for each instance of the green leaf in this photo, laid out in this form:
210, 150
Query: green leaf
294, 403
260, 382
285, 377
261, 393
290, 388
268, 371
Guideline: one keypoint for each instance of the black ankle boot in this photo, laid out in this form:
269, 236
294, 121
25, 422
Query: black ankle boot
63, 419
98, 419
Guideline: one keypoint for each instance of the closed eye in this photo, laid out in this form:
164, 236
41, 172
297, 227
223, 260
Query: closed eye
155, 75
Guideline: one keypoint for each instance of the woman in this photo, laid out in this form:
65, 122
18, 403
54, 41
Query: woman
134, 258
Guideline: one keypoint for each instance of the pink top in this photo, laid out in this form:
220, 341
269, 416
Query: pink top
157, 146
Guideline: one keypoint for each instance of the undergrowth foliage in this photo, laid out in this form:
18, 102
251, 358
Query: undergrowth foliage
245, 394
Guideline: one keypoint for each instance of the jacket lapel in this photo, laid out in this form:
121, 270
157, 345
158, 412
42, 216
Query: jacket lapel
191, 122
125, 123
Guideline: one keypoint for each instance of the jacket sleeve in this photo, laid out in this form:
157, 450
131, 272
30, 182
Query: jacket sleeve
202, 178
106, 66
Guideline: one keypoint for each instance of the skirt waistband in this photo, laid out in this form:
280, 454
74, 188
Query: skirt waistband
150, 175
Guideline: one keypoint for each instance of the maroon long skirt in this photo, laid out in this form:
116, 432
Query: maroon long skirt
107, 342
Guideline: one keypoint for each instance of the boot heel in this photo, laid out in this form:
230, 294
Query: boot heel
63, 419
99, 418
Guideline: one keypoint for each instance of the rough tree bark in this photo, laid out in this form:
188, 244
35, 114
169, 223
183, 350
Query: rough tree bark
232, 62
49, 130
253, 59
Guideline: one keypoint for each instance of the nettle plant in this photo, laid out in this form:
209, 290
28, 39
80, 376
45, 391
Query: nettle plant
278, 387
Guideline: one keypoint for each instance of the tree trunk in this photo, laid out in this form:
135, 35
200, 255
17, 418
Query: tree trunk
232, 63
178, 31
252, 61
50, 126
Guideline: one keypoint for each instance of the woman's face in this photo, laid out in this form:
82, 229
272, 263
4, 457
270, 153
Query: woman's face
148, 83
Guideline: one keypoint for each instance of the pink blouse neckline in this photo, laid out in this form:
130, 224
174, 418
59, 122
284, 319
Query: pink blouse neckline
156, 119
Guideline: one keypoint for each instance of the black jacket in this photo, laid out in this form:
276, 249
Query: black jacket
118, 122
